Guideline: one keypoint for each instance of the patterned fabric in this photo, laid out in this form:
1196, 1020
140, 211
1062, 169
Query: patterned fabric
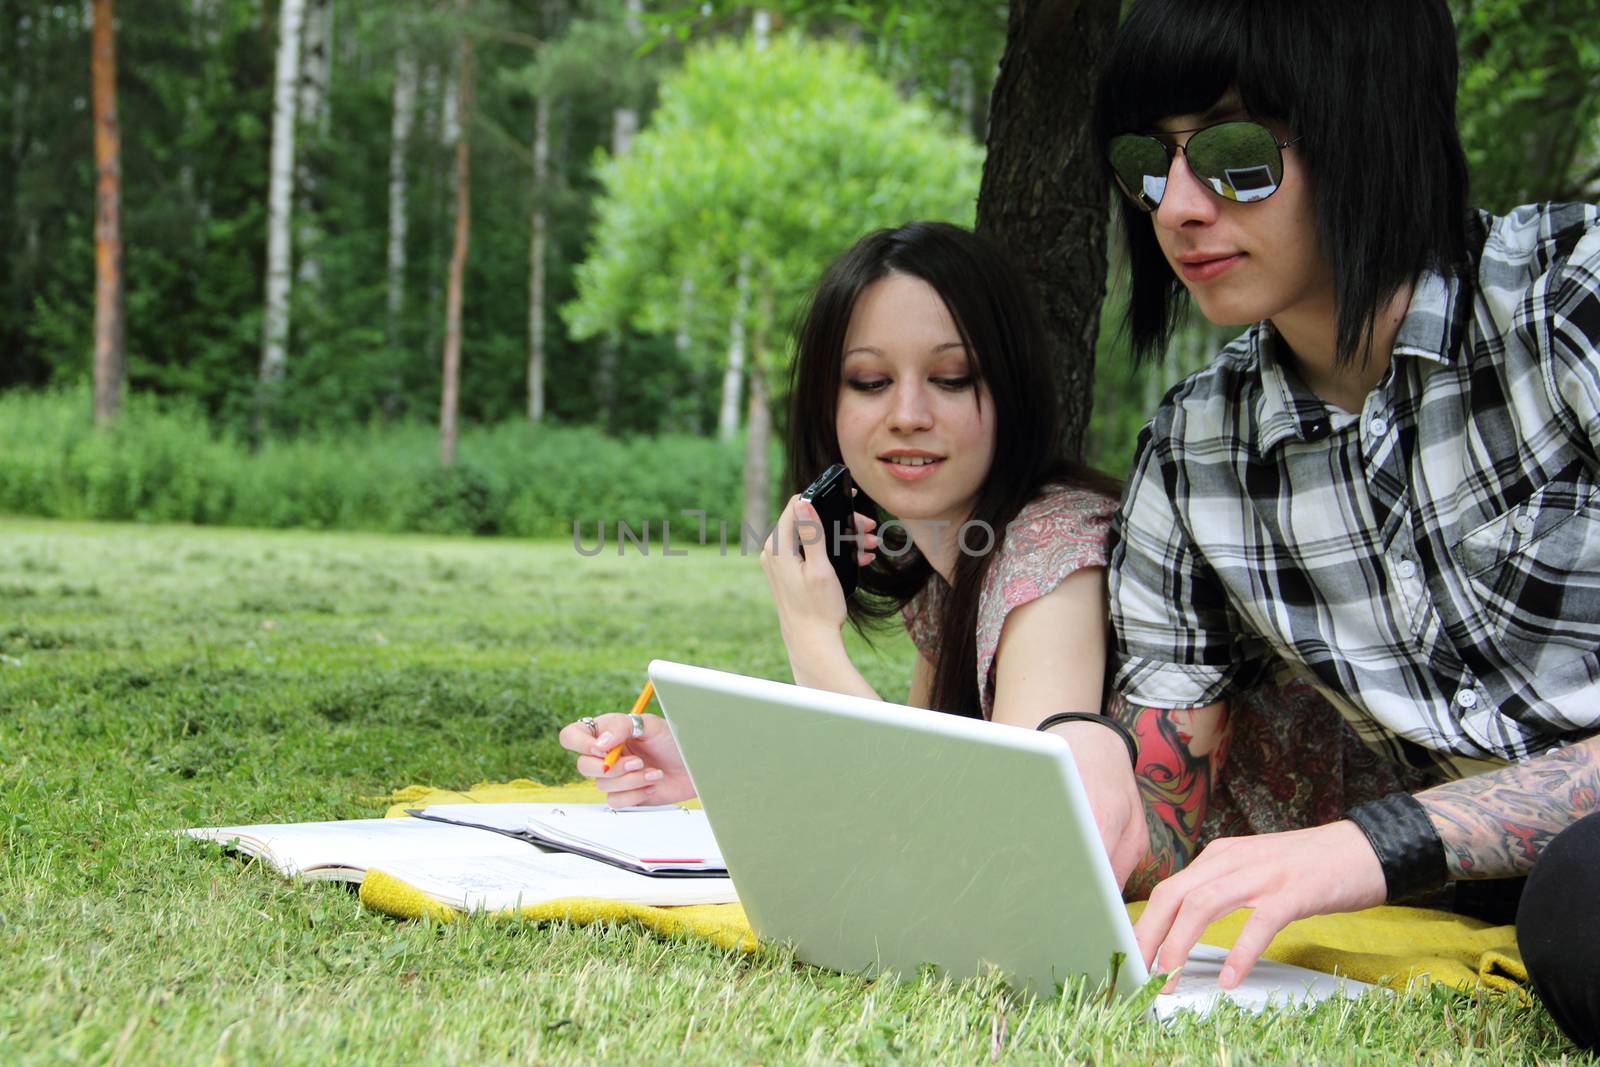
1431, 564
1062, 531
1292, 761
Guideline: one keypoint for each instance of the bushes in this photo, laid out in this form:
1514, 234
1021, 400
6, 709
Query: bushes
163, 462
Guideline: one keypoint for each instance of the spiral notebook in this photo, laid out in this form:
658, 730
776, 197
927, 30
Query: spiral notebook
662, 842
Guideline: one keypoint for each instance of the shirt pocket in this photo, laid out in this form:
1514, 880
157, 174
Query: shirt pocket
1534, 572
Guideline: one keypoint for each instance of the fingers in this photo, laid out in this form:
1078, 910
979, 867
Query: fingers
626, 790
595, 767
783, 541
1258, 932
1155, 922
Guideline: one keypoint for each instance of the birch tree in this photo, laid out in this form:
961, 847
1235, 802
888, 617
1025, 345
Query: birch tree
404, 103
109, 325
806, 149
450, 391
316, 73
280, 206
538, 227
624, 126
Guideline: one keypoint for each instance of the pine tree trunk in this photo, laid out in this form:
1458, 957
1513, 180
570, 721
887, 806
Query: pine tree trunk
1042, 196
280, 208
536, 257
733, 373
109, 325
404, 112
449, 395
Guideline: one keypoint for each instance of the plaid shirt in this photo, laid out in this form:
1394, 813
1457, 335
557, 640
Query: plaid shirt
1431, 563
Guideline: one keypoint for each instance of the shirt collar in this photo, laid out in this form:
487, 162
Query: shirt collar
1433, 328
1285, 408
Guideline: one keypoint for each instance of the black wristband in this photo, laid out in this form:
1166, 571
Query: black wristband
1407, 843
1104, 720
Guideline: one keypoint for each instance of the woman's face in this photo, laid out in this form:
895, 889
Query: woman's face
915, 427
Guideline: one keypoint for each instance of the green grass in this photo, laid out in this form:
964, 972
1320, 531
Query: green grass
159, 677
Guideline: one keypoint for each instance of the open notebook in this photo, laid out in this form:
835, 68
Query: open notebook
667, 841
462, 867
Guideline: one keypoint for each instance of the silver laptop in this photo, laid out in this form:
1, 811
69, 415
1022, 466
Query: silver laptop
876, 837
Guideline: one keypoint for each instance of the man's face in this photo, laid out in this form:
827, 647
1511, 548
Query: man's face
1242, 262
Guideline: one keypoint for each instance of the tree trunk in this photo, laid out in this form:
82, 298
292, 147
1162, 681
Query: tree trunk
450, 392
280, 208
1042, 196
109, 329
316, 66
683, 346
405, 104
536, 257
733, 373
757, 439
624, 125
758, 425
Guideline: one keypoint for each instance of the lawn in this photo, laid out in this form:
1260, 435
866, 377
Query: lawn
159, 677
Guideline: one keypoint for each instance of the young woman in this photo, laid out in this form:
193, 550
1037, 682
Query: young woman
918, 366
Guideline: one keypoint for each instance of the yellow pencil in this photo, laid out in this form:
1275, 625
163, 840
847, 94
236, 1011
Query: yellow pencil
638, 708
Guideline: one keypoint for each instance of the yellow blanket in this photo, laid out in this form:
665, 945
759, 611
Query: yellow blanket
1389, 945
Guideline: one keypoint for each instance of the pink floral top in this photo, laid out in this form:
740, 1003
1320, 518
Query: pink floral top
1061, 531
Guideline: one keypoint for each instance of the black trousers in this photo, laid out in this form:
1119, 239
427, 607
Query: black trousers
1558, 929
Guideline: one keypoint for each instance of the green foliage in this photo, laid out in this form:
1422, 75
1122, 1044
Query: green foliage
159, 677
164, 462
947, 50
1529, 99
765, 163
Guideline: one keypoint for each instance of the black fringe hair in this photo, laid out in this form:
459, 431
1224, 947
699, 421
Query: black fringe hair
1369, 87
989, 300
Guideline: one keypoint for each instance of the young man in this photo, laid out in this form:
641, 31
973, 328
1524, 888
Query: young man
1390, 483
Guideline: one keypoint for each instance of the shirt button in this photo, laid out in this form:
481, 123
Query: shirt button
1378, 426
1466, 698
1408, 569
1523, 523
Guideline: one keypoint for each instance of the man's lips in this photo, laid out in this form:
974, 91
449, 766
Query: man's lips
1202, 267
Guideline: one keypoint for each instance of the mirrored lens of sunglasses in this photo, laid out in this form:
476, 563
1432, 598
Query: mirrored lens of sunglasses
1239, 161
1140, 164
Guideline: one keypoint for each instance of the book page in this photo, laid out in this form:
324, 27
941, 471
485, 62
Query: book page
495, 883
670, 837
651, 838
296, 848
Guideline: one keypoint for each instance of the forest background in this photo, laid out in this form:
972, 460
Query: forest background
495, 265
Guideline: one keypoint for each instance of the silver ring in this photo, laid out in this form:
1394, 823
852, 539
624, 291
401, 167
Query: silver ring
638, 725
594, 727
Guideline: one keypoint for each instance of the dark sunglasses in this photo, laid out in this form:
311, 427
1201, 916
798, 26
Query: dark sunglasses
1239, 160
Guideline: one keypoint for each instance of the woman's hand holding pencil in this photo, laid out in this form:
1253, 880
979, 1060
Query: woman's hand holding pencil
630, 770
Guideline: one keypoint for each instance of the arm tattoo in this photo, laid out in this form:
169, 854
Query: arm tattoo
1495, 825
1175, 785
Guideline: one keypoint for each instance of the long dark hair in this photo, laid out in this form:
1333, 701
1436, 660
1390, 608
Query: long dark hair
990, 303
1368, 87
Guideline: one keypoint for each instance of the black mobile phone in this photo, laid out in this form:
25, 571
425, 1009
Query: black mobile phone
831, 496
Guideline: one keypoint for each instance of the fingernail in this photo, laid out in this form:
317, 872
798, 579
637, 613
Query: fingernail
603, 741
632, 763
653, 775
1227, 979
